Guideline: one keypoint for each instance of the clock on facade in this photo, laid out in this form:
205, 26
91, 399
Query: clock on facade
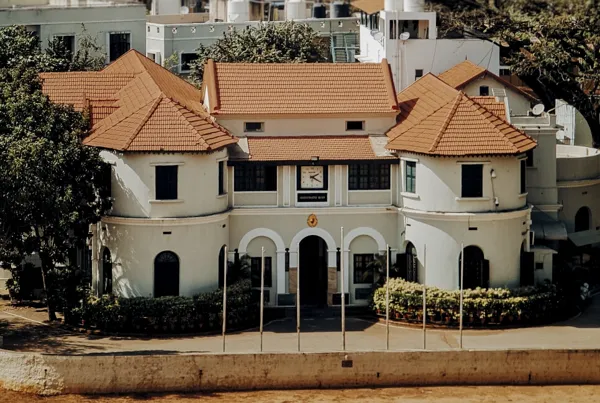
312, 177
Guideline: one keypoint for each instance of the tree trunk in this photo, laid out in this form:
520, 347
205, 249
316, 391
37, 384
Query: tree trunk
47, 264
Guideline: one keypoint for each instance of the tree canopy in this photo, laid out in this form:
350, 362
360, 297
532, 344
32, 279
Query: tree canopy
552, 45
286, 42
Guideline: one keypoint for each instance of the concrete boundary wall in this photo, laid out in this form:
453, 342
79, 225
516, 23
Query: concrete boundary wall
50, 374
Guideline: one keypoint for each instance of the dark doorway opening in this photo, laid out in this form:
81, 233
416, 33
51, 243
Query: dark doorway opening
166, 275
476, 268
583, 219
313, 271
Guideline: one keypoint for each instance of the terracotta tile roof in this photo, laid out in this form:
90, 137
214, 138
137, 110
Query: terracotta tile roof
369, 6
436, 119
493, 105
303, 148
299, 88
136, 105
467, 71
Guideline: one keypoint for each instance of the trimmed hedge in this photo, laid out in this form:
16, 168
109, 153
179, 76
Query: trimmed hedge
495, 306
201, 313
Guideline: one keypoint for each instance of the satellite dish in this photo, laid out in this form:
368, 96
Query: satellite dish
184, 10
538, 109
404, 36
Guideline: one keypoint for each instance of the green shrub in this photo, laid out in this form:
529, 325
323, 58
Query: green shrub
480, 306
200, 313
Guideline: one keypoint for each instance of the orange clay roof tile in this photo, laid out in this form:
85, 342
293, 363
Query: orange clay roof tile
304, 148
491, 104
136, 105
436, 119
369, 6
299, 88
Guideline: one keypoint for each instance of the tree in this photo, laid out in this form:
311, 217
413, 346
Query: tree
286, 42
552, 45
52, 187
89, 56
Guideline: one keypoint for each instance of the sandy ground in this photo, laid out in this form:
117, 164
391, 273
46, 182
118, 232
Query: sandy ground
479, 394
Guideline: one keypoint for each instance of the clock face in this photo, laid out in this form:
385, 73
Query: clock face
312, 177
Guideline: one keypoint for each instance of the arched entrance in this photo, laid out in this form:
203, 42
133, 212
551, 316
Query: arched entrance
166, 274
313, 271
583, 219
412, 263
106, 272
476, 269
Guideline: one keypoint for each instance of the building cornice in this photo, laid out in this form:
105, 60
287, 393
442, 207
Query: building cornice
577, 183
313, 210
470, 217
174, 221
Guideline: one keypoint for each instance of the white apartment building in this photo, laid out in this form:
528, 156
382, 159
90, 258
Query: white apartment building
117, 26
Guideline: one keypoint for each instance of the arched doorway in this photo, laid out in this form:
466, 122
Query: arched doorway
106, 272
476, 268
313, 271
166, 274
412, 263
583, 219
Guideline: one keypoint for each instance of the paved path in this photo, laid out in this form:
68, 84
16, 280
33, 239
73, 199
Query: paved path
23, 330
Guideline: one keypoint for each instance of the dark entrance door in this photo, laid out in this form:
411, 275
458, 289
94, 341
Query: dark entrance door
313, 271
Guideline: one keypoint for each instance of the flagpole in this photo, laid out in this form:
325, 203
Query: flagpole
343, 299
298, 297
424, 298
262, 293
387, 298
462, 283
224, 295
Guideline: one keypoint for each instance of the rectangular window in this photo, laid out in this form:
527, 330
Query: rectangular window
418, 74
221, 177
355, 125
484, 91
369, 176
411, 177
529, 155
472, 180
255, 178
186, 59
363, 274
393, 29
118, 44
256, 271
523, 176
166, 182
68, 43
254, 127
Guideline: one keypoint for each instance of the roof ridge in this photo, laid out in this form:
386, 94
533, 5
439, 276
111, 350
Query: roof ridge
449, 117
149, 113
95, 133
180, 106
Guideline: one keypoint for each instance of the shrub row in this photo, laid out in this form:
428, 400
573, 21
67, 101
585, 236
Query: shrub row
201, 313
480, 306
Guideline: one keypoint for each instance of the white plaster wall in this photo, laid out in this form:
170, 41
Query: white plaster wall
439, 185
573, 198
98, 21
438, 243
541, 177
518, 104
134, 247
577, 163
308, 127
133, 185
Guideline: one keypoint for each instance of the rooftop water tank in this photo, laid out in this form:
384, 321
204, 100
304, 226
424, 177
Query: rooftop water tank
339, 9
393, 5
414, 5
295, 9
238, 11
319, 10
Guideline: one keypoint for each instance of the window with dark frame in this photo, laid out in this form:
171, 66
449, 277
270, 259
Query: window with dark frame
254, 127
355, 125
363, 274
186, 59
221, 177
523, 176
411, 177
529, 155
68, 42
118, 45
472, 180
393, 29
484, 91
256, 270
418, 74
166, 182
369, 176
255, 178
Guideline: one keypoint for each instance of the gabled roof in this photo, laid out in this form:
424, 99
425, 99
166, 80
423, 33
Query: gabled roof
435, 119
299, 89
136, 105
465, 72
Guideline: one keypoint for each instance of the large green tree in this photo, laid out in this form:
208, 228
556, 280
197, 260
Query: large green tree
552, 45
286, 42
52, 187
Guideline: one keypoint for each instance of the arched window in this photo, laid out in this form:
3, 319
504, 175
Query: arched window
106, 272
476, 269
583, 219
412, 263
166, 274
